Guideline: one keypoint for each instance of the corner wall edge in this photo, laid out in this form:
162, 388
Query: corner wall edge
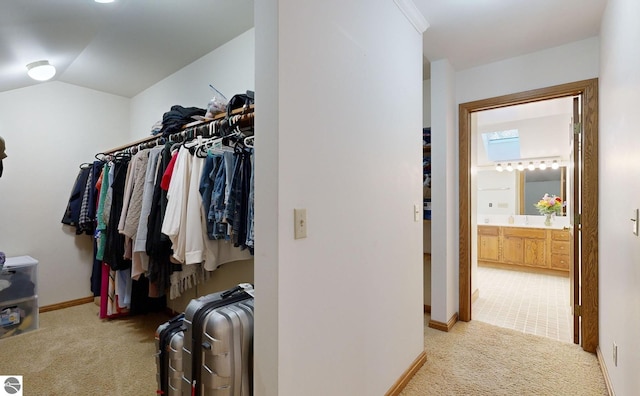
414, 15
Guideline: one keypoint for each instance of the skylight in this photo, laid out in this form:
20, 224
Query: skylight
502, 145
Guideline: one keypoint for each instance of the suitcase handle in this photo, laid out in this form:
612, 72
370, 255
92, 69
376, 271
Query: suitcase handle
231, 292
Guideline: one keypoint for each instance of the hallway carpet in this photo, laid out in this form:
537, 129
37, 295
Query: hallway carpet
479, 359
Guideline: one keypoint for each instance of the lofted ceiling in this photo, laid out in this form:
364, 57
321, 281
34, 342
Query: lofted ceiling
124, 47
120, 48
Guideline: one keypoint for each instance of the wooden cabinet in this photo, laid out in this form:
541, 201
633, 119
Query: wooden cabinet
488, 243
535, 253
524, 247
512, 250
560, 250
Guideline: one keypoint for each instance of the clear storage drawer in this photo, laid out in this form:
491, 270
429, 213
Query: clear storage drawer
18, 316
18, 296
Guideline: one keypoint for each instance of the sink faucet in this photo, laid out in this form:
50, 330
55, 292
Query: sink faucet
526, 220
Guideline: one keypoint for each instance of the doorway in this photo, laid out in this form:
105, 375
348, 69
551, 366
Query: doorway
584, 266
520, 266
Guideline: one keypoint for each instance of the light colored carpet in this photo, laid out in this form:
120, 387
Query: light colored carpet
75, 353
477, 358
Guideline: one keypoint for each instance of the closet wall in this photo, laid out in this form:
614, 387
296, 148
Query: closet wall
230, 68
50, 129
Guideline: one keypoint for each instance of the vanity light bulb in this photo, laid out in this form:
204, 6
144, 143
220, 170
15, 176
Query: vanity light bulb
543, 166
555, 165
509, 167
499, 168
520, 166
531, 166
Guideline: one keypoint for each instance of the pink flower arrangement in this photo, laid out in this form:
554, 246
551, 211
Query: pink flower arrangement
549, 204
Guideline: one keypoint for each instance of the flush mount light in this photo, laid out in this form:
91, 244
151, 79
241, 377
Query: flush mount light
542, 166
520, 167
104, 1
531, 166
509, 167
41, 70
555, 165
499, 168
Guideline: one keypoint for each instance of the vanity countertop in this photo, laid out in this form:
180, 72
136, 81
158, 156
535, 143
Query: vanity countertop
530, 225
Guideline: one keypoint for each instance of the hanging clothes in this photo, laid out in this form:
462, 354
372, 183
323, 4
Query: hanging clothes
72, 212
139, 245
158, 245
164, 218
131, 218
114, 253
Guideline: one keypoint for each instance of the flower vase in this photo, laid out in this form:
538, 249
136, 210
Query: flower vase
547, 219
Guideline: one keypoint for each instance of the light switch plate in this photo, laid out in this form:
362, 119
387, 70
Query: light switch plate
299, 223
634, 221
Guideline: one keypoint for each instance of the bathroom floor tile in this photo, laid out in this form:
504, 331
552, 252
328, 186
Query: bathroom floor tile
527, 302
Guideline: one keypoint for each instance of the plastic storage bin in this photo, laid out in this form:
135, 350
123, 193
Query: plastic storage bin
18, 316
18, 296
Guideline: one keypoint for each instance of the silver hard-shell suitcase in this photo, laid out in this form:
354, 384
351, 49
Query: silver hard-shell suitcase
218, 345
169, 343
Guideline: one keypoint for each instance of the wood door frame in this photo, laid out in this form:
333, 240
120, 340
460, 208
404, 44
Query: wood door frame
589, 188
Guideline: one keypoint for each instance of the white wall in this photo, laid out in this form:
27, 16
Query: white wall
444, 193
619, 293
229, 68
496, 193
558, 65
342, 140
50, 129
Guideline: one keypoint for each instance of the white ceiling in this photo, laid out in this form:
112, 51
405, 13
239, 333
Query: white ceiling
125, 47
475, 32
120, 48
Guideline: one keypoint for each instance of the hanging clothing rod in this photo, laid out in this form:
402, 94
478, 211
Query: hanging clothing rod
196, 128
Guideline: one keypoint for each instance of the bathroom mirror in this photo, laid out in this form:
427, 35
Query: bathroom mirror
516, 192
535, 183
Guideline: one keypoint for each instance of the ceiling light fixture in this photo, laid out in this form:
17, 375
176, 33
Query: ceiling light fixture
499, 168
542, 166
520, 166
531, 166
555, 165
104, 1
509, 167
41, 70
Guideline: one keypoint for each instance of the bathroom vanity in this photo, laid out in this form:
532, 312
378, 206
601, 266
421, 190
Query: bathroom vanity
537, 249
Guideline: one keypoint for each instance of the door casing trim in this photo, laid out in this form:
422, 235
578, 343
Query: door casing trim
589, 191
